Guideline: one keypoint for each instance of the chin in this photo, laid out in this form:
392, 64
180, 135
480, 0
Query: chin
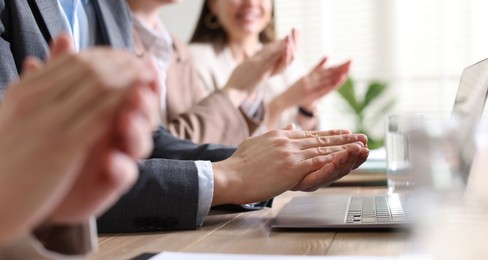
252, 28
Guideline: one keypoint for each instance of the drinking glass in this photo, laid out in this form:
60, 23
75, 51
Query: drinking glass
399, 128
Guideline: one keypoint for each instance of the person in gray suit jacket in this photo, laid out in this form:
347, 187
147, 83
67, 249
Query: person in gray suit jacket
172, 194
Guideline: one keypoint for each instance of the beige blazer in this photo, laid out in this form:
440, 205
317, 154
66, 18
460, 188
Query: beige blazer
195, 116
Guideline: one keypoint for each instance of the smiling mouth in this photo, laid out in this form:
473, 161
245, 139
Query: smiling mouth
249, 17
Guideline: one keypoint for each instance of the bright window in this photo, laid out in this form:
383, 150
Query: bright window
419, 47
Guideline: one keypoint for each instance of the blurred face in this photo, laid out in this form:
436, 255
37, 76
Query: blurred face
242, 18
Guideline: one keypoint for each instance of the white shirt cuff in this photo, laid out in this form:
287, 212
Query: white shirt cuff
205, 189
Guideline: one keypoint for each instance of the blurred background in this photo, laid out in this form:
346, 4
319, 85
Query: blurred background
416, 50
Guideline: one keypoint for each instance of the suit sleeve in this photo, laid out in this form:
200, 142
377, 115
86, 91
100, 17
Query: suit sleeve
8, 69
213, 120
165, 196
169, 147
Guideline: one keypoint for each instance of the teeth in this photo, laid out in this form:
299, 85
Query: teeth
250, 16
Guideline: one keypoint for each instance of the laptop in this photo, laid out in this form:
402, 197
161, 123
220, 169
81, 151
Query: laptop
389, 210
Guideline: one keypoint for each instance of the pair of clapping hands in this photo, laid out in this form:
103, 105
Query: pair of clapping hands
255, 69
272, 60
72, 130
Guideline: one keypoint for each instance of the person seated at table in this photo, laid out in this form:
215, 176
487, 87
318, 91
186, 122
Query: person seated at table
229, 31
187, 111
50, 158
177, 194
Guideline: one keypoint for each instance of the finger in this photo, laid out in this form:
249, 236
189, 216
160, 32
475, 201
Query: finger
121, 171
328, 86
291, 51
325, 174
86, 93
153, 68
145, 101
113, 70
275, 57
330, 74
321, 150
296, 36
92, 121
136, 139
44, 84
30, 66
117, 69
99, 92
326, 141
326, 150
120, 174
297, 134
363, 156
346, 66
88, 113
340, 171
61, 45
270, 50
286, 56
56, 78
321, 65
353, 157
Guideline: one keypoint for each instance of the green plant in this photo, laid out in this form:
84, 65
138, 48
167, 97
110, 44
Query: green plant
366, 108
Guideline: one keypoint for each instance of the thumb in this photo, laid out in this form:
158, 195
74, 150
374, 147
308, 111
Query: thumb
61, 45
30, 66
321, 64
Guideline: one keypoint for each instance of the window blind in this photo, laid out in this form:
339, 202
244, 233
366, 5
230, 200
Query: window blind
418, 47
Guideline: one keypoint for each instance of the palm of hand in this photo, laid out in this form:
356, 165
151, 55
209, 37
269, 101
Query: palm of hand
318, 83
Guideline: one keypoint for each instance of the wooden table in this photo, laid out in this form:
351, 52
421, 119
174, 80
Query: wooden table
249, 233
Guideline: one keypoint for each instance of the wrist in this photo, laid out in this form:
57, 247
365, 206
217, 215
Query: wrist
223, 191
279, 104
236, 96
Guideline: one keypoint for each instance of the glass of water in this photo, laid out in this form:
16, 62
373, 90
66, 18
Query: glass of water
399, 128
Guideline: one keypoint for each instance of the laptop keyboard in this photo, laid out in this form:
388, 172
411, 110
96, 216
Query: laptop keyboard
375, 209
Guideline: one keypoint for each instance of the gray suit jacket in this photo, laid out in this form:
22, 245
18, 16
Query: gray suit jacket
166, 194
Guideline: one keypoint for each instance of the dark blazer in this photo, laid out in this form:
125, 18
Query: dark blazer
166, 193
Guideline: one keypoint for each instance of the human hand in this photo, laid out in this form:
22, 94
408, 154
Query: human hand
271, 60
292, 41
281, 160
110, 168
139, 110
50, 120
320, 81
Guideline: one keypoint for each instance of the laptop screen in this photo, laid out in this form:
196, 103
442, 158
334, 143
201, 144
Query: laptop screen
467, 111
473, 88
